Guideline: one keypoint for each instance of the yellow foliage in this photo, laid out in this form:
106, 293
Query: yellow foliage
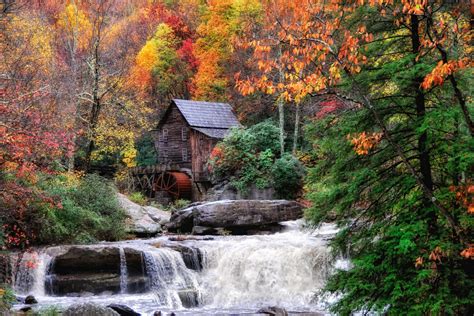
129, 154
29, 38
76, 24
149, 56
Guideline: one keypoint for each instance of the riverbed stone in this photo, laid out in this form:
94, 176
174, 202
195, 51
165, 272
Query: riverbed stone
30, 299
189, 298
82, 269
274, 311
234, 216
139, 221
89, 309
192, 257
123, 310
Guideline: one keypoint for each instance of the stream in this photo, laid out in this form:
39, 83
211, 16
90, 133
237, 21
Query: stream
215, 275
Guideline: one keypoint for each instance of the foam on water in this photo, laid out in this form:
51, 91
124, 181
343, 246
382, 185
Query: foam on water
239, 273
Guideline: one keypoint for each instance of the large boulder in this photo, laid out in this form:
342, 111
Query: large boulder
95, 269
234, 215
142, 220
89, 309
159, 216
274, 311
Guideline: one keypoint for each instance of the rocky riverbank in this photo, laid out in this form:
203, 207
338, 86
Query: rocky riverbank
237, 217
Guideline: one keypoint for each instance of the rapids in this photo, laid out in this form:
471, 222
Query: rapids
228, 274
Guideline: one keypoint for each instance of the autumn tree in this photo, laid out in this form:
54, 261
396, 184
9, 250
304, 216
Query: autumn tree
32, 138
160, 67
390, 166
221, 22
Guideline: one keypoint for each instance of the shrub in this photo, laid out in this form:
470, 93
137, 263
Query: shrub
7, 298
138, 198
287, 174
87, 210
146, 154
251, 157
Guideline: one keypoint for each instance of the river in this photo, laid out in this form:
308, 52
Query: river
235, 274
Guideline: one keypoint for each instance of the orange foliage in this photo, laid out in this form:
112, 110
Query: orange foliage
442, 70
465, 196
364, 142
468, 252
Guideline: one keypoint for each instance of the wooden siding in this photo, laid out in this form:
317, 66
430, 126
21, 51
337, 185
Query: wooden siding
172, 139
201, 146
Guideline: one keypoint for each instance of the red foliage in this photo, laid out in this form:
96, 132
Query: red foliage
180, 29
329, 106
186, 53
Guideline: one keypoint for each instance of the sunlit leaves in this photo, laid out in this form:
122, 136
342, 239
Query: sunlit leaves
364, 142
76, 25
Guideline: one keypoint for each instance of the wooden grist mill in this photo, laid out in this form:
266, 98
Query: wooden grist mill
184, 139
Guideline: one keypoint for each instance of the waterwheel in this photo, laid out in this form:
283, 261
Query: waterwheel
176, 184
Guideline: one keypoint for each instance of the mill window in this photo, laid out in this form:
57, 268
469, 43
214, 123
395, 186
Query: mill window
184, 153
184, 134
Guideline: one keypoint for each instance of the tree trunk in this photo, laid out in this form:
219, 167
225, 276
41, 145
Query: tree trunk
423, 152
424, 157
281, 111
96, 104
297, 128
73, 52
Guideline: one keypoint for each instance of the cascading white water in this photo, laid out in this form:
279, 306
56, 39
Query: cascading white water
169, 276
123, 271
30, 273
239, 273
284, 269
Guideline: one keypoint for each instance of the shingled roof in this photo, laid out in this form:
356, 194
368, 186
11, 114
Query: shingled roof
207, 114
210, 118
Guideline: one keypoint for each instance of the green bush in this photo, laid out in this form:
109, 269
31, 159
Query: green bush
146, 153
287, 176
86, 210
252, 157
138, 198
7, 298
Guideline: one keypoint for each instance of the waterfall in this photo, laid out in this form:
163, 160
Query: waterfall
283, 269
30, 273
170, 280
123, 271
210, 275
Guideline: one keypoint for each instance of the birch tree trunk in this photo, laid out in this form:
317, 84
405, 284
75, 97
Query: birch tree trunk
297, 128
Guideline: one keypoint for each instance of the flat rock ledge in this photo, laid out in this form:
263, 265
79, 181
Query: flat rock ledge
234, 216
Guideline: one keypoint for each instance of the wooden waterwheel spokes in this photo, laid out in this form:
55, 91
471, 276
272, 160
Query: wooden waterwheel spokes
176, 184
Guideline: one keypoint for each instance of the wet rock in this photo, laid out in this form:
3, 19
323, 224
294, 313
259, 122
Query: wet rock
78, 259
89, 309
192, 257
189, 298
95, 270
234, 216
202, 230
274, 311
139, 221
30, 299
123, 310
26, 309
